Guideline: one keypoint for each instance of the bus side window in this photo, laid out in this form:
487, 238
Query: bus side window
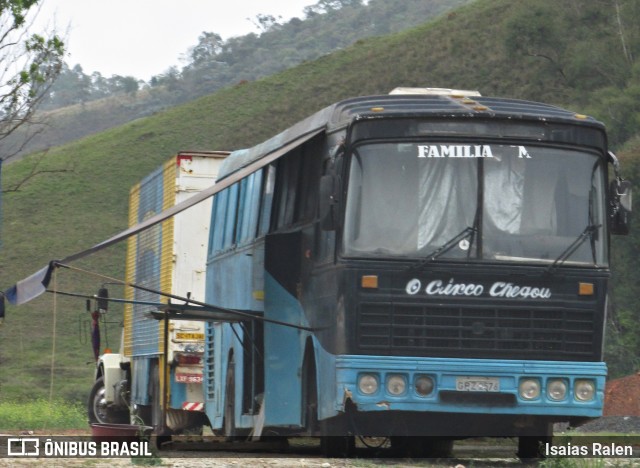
225, 205
249, 207
242, 211
286, 189
266, 201
309, 182
217, 221
230, 216
297, 185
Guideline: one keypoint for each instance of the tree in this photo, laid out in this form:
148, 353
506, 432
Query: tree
325, 6
209, 45
532, 33
29, 63
72, 86
124, 84
266, 22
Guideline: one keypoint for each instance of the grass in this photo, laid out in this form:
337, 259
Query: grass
42, 415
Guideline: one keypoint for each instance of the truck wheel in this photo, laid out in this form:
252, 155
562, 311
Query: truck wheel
97, 409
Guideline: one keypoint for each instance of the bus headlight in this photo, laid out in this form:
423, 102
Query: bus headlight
584, 390
529, 389
424, 385
368, 384
396, 385
556, 390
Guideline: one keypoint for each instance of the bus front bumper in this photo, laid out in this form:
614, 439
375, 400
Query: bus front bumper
557, 389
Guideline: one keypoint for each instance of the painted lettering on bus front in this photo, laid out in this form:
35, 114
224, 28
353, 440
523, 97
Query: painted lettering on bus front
464, 151
497, 289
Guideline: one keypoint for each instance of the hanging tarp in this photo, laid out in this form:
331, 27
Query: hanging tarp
30, 287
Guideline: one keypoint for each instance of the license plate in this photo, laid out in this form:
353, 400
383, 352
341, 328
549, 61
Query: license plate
189, 378
477, 384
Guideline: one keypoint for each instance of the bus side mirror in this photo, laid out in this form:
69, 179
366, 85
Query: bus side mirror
328, 205
621, 200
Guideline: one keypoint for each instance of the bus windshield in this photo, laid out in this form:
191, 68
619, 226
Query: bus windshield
478, 202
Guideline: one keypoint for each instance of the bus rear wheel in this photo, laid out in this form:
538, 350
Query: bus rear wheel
229, 422
309, 395
338, 446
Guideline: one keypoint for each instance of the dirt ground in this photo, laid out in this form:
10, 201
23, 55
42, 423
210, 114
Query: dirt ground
622, 396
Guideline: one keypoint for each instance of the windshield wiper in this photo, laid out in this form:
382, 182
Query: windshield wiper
444, 248
588, 232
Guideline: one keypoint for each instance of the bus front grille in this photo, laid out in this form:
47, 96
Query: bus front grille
525, 333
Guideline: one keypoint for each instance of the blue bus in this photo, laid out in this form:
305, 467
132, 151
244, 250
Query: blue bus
426, 266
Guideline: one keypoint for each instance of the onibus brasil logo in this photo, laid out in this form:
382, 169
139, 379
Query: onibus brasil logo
36, 447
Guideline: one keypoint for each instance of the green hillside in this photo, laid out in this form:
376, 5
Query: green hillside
541, 50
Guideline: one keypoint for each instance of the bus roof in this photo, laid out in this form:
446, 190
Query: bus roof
439, 105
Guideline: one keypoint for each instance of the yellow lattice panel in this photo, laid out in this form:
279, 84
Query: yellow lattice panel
166, 256
130, 265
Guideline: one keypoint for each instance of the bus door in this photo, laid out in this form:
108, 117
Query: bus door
283, 345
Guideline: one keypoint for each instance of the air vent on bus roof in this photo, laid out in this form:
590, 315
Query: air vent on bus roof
435, 91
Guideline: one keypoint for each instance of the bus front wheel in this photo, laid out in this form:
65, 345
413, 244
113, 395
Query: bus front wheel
532, 446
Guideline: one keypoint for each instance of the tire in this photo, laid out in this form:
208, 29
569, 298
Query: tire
422, 447
229, 422
338, 446
98, 411
336, 440
309, 396
531, 447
